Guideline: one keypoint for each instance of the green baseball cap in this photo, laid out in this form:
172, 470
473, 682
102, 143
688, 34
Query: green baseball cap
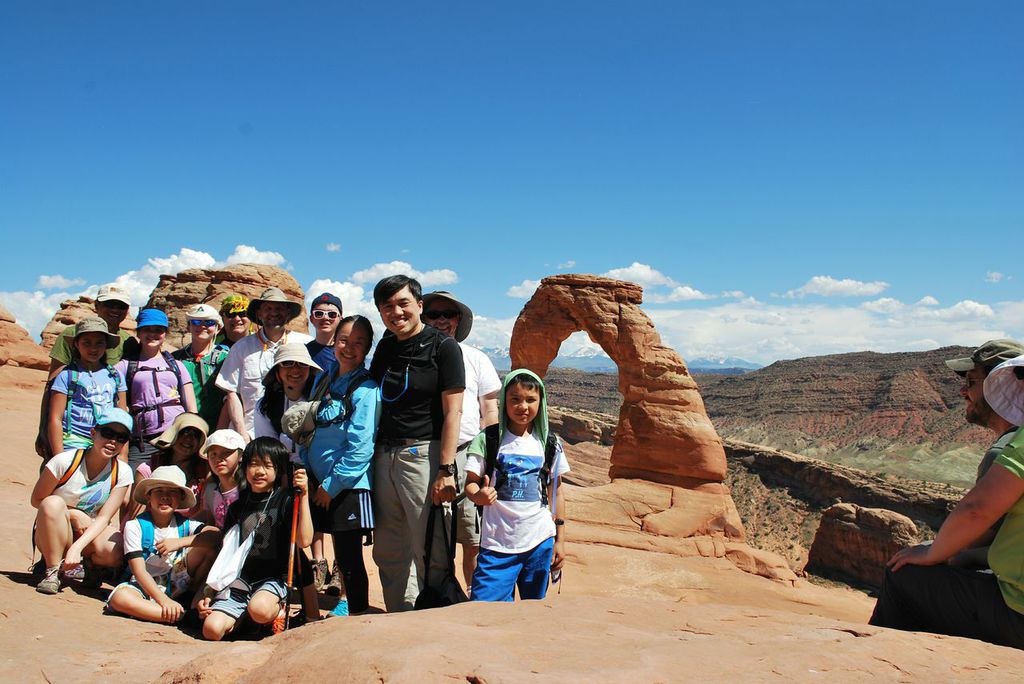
989, 355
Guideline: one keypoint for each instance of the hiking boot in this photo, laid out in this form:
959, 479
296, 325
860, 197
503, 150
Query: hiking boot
50, 584
335, 586
320, 574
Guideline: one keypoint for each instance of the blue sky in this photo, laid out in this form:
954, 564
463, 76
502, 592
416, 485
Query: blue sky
784, 178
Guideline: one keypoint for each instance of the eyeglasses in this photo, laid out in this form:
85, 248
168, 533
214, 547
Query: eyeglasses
201, 323
321, 313
113, 434
447, 313
235, 314
290, 364
970, 382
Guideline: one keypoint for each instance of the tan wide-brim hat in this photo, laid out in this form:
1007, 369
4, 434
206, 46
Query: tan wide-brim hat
293, 351
165, 477
465, 320
95, 324
185, 420
1004, 390
273, 294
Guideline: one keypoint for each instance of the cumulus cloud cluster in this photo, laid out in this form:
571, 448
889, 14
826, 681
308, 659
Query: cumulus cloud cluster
827, 286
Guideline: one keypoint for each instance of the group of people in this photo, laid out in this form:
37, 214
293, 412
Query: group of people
218, 472
969, 580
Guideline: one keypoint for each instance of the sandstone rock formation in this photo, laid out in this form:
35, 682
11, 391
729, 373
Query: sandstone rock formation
578, 425
857, 541
663, 433
71, 311
176, 293
16, 347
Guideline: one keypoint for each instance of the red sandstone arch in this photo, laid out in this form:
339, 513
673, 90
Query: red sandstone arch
664, 434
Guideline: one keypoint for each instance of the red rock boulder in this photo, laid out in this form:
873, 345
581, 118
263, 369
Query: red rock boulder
857, 541
70, 312
16, 347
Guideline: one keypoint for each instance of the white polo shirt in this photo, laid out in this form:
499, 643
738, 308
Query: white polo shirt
248, 362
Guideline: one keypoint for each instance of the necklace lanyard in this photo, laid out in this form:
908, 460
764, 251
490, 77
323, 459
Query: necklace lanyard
266, 342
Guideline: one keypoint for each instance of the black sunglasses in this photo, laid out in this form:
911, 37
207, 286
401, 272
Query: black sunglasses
113, 434
447, 313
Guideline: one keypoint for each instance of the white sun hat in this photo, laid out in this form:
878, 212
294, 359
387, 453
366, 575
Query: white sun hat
1004, 390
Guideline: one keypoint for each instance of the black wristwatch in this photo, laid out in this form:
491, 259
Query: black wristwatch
449, 469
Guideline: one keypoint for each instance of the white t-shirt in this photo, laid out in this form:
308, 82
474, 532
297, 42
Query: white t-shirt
481, 379
79, 491
156, 565
262, 427
249, 360
517, 521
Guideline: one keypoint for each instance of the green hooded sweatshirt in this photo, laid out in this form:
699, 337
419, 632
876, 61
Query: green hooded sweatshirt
538, 429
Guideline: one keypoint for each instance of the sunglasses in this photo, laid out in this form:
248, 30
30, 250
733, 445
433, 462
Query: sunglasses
235, 314
321, 313
291, 364
113, 434
201, 323
447, 313
114, 304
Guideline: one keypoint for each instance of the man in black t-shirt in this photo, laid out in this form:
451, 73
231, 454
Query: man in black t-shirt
422, 378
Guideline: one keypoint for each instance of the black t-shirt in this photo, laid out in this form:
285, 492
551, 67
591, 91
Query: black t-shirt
269, 517
412, 374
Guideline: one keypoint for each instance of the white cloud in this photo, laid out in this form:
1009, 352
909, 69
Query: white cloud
568, 264
680, 293
523, 290
58, 282
928, 300
428, 279
995, 277
827, 286
33, 310
245, 254
490, 333
733, 294
885, 305
642, 274
333, 247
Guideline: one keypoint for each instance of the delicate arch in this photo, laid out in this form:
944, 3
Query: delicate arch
663, 434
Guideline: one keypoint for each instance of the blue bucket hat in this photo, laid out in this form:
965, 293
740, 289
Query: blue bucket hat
115, 415
148, 317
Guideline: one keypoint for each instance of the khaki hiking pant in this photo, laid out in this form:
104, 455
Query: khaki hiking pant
402, 476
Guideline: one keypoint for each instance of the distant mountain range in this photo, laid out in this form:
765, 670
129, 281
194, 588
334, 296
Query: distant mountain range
592, 359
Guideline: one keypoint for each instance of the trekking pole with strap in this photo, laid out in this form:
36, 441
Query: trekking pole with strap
281, 623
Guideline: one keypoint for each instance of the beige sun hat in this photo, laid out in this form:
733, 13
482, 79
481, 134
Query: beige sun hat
273, 294
465, 320
293, 351
95, 324
1004, 390
165, 477
226, 438
184, 420
204, 312
113, 293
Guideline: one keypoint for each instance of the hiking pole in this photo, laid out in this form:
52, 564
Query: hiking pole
280, 624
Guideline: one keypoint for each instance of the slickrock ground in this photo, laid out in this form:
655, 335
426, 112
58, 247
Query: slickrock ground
623, 615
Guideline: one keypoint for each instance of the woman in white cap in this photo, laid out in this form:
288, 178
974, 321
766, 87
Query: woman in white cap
923, 592
76, 496
289, 381
202, 358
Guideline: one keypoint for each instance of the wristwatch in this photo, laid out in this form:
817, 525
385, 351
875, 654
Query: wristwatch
449, 469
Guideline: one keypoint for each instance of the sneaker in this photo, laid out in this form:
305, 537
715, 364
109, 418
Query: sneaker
50, 584
320, 574
339, 610
335, 586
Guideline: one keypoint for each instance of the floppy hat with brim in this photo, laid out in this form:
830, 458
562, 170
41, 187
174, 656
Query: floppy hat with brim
185, 420
1004, 390
294, 351
273, 294
115, 416
225, 438
989, 355
165, 477
95, 324
112, 293
465, 320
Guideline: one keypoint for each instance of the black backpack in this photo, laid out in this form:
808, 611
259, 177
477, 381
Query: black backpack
491, 460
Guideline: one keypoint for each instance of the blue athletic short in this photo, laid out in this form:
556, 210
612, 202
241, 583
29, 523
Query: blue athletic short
238, 597
498, 574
